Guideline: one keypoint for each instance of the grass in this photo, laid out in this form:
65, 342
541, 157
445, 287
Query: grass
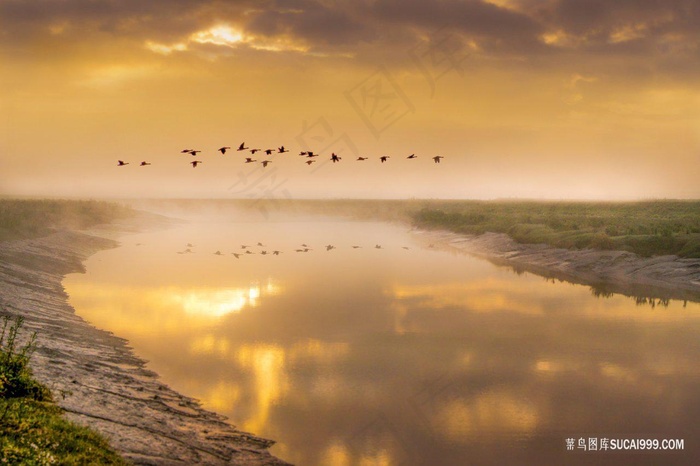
33, 430
20, 218
645, 228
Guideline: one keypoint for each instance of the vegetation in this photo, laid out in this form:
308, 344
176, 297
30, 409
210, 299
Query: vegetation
645, 228
32, 428
20, 218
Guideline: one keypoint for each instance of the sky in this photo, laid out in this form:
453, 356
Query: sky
537, 99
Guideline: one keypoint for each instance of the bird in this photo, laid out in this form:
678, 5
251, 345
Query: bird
299, 250
356, 247
281, 150
190, 245
329, 247
218, 253
185, 151
269, 151
406, 247
276, 253
121, 163
242, 146
143, 164
264, 253
195, 162
195, 152
307, 249
412, 156
223, 150
261, 245
360, 159
249, 252
187, 251
302, 153
335, 158
377, 247
244, 246
236, 255
249, 160
253, 151
384, 158
265, 162
311, 154
304, 245
437, 158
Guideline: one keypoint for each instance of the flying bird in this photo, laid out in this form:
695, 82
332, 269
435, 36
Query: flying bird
195, 163
264, 253
384, 158
302, 153
195, 152
218, 253
356, 247
377, 247
253, 151
437, 158
335, 158
311, 154
236, 255
360, 159
249, 160
190, 245
329, 247
223, 150
121, 163
265, 162
261, 245
412, 156
143, 164
185, 151
276, 253
309, 162
269, 151
282, 150
242, 146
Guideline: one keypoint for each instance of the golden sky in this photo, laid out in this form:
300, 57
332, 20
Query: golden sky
576, 99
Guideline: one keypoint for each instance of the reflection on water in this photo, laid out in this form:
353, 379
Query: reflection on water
394, 356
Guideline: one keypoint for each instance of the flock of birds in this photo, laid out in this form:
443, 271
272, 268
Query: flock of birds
310, 155
303, 248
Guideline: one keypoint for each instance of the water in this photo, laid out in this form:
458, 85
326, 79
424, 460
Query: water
395, 356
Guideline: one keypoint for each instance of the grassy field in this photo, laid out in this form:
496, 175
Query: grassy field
34, 218
33, 430
645, 228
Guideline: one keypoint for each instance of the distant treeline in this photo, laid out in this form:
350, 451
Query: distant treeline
20, 218
645, 228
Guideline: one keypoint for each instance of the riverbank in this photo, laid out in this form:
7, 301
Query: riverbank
95, 376
644, 278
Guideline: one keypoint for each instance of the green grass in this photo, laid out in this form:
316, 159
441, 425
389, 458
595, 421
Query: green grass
33, 430
645, 228
20, 218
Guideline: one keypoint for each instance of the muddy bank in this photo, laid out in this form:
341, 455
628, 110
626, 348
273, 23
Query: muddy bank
95, 376
661, 277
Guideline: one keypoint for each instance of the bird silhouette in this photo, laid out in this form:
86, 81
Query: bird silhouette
185, 151
249, 160
302, 153
412, 156
195, 163
265, 162
406, 247
269, 151
143, 164
384, 158
281, 150
360, 159
309, 162
304, 245
276, 253
218, 253
261, 245
311, 154
249, 252
437, 158
329, 247
190, 245
195, 152
223, 150
356, 247
121, 163
236, 255
335, 158
377, 247
244, 246
242, 146
253, 151
264, 253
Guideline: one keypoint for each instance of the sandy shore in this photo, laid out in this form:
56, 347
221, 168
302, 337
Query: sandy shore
661, 277
104, 385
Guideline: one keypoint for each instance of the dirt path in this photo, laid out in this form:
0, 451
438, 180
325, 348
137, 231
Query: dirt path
661, 277
104, 384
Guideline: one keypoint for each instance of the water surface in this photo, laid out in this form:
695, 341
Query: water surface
394, 356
